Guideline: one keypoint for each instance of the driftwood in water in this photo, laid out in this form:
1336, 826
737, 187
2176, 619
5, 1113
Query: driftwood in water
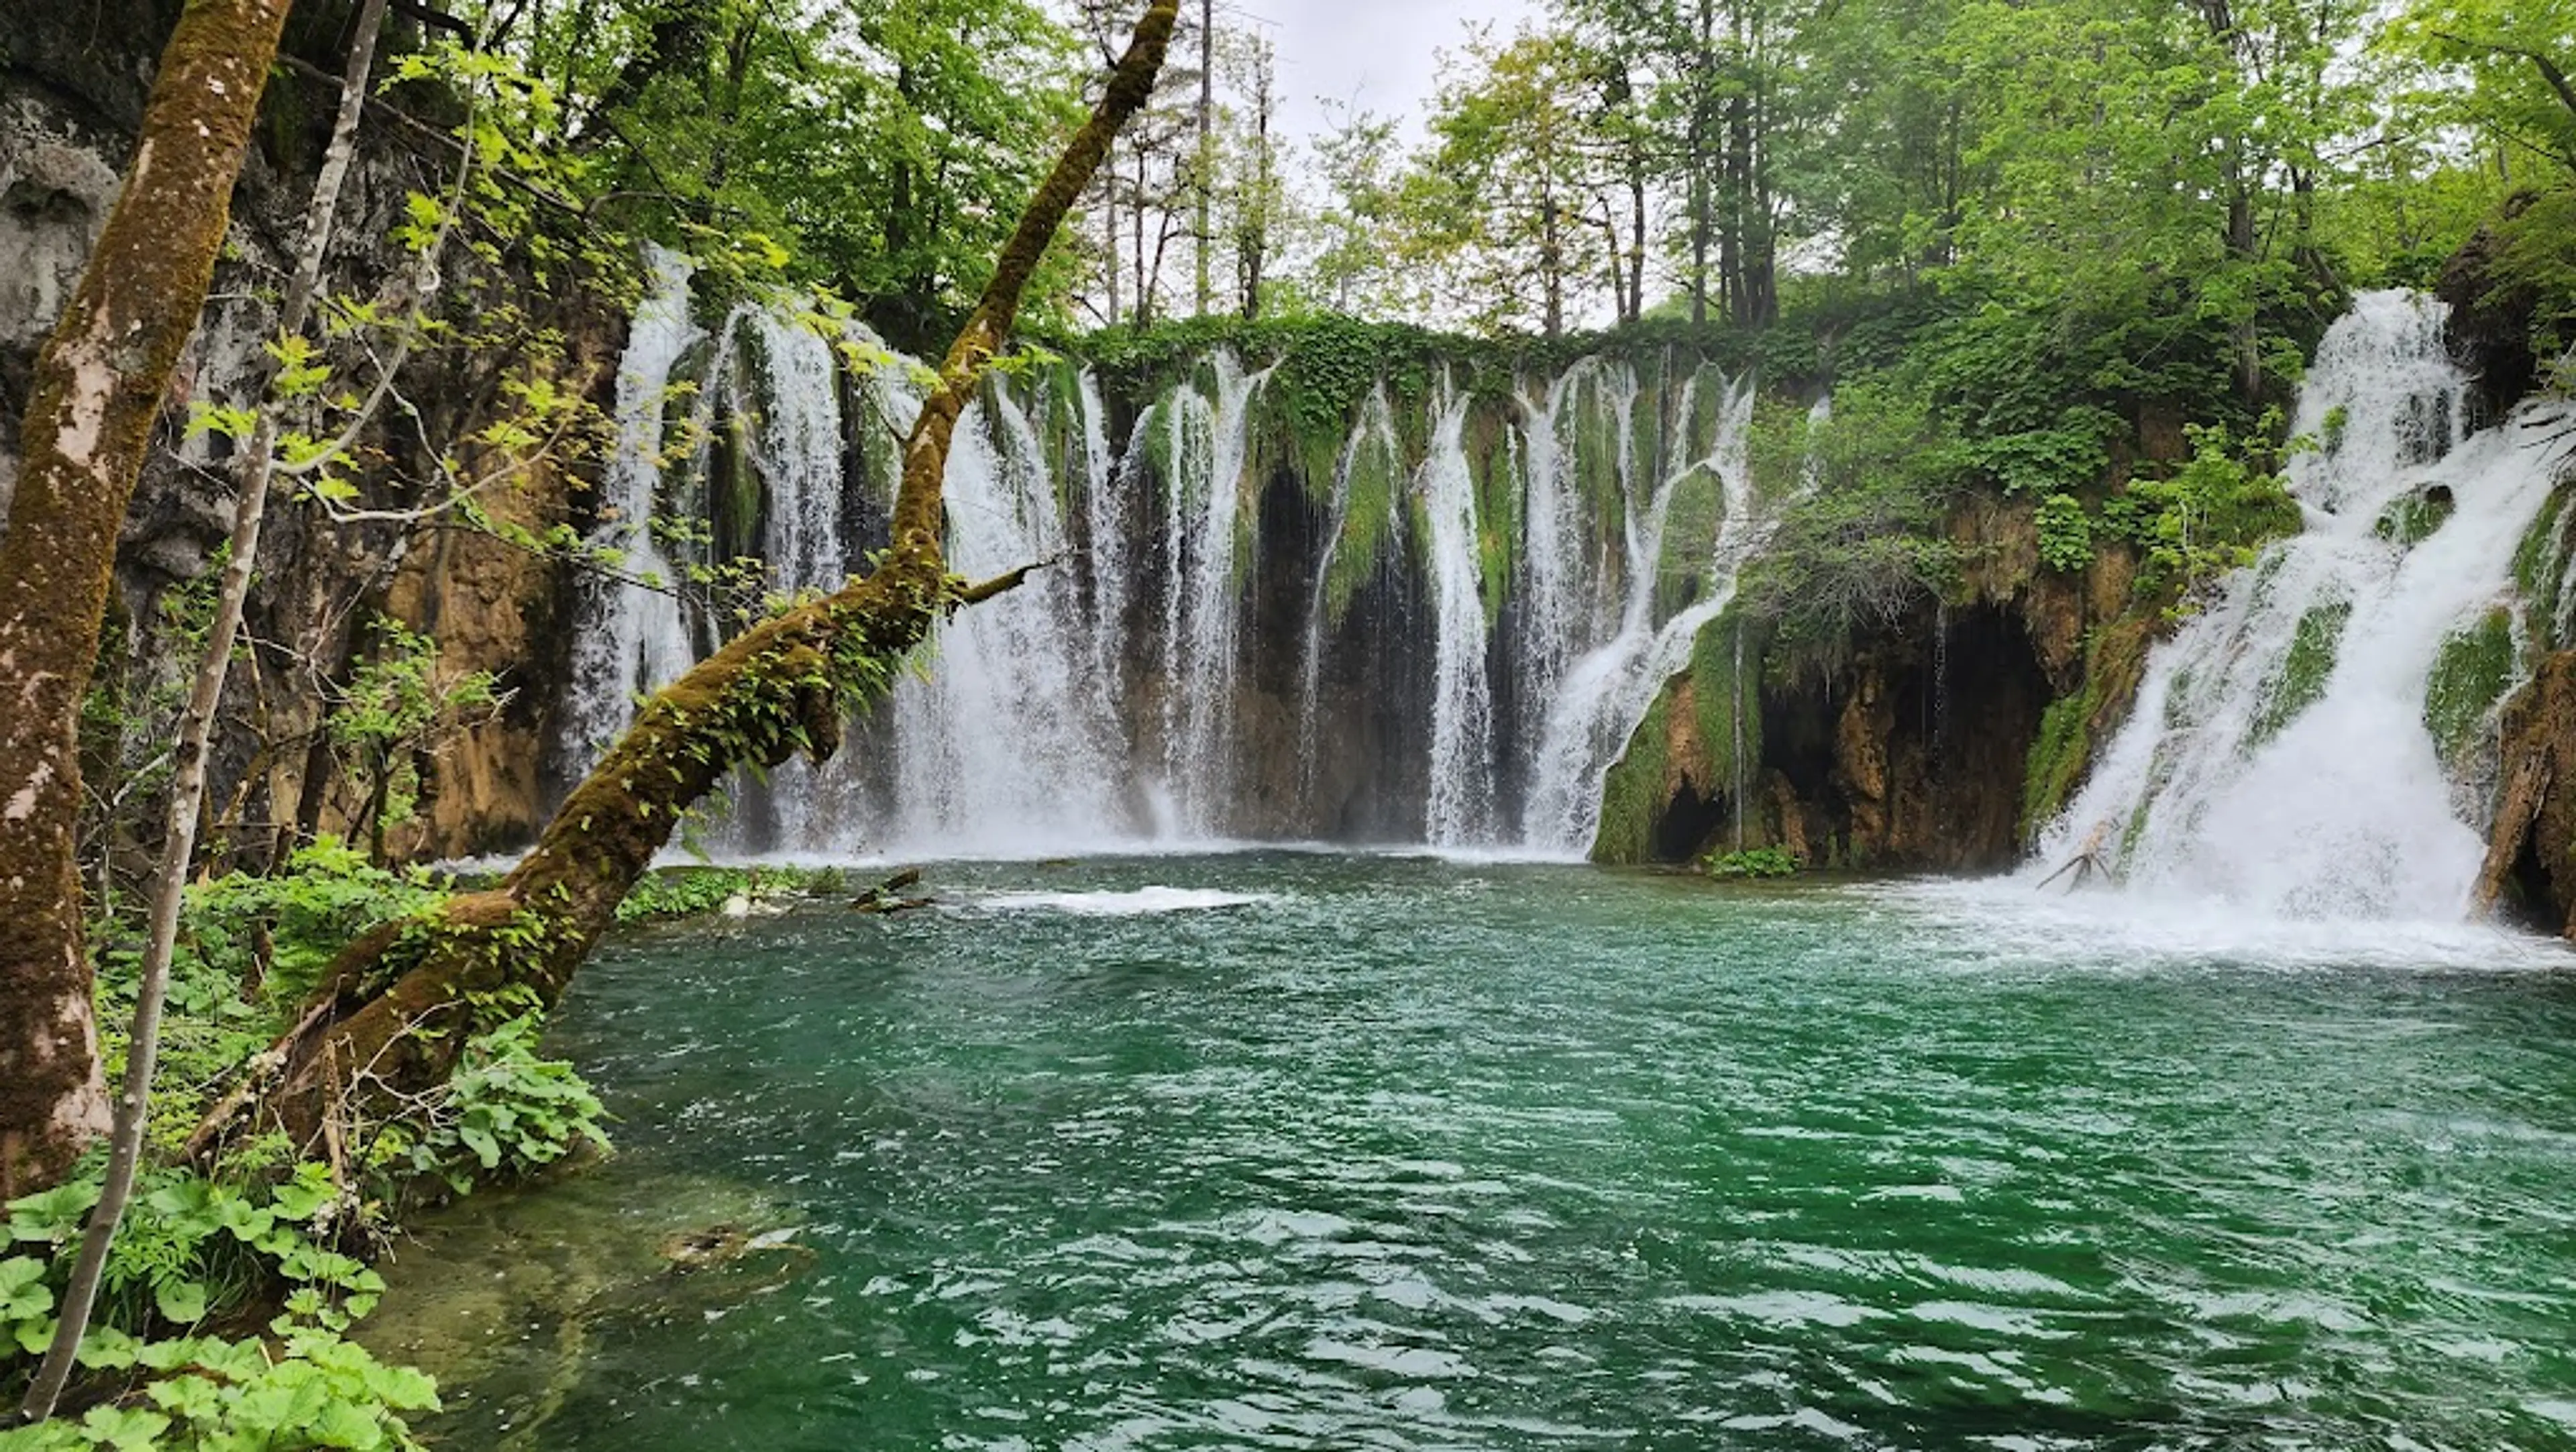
398, 1005
889, 896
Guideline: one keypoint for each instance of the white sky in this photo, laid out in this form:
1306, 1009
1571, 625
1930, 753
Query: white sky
1375, 54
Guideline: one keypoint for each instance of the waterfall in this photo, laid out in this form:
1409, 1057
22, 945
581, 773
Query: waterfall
1372, 445
1207, 450
633, 638
1606, 691
1011, 735
1460, 811
797, 450
2277, 758
1498, 588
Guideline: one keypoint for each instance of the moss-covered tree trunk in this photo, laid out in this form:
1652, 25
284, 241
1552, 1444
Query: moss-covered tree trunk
400, 1004
98, 387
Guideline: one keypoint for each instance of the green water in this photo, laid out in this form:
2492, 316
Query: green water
1405, 1154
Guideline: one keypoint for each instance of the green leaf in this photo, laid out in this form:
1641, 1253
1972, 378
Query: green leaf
23, 1292
123, 1428
180, 1302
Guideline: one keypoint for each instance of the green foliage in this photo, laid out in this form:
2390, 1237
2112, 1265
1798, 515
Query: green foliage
397, 705
2474, 669
1754, 862
2065, 534
194, 1252
2212, 515
308, 1387
1863, 545
687, 892
505, 1114
280, 932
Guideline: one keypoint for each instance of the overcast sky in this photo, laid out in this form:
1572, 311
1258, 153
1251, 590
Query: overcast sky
1375, 54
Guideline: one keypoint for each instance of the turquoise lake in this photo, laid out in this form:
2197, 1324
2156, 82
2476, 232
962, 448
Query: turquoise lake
1287, 1150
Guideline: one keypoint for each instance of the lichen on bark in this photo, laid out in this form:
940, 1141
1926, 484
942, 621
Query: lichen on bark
98, 387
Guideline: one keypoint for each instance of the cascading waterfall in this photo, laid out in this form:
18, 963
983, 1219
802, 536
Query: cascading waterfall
797, 451
1205, 438
1130, 691
1372, 445
2277, 757
1607, 689
633, 638
1011, 735
1462, 769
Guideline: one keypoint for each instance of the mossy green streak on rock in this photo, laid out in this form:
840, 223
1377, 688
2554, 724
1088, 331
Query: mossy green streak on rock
1376, 476
1690, 738
2412, 517
1493, 461
1729, 702
1690, 538
2539, 567
2475, 668
1634, 795
2069, 730
2304, 669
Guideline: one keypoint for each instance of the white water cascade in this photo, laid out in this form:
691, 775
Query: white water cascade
633, 638
1608, 685
1204, 436
2277, 758
1012, 734
1485, 621
1462, 763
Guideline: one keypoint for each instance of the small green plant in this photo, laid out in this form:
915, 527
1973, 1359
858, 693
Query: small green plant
2065, 533
505, 1114
196, 1252
1755, 862
279, 933
397, 705
687, 892
2213, 515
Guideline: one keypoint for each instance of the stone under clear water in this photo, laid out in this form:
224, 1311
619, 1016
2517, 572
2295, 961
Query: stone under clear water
1314, 1151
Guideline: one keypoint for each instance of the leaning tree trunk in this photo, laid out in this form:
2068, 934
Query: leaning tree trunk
99, 385
399, 1003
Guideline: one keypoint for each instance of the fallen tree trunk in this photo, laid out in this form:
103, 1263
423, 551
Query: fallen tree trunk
398, 1006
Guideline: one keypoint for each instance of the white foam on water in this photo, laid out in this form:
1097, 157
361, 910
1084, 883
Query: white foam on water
1141, 902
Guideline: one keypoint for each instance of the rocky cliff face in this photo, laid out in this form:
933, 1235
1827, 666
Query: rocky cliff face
73, 78
1917, 750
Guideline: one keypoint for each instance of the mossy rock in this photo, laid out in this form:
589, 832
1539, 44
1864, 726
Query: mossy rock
2539, 567
1632, 796
2412, 517
2472, 672
1729, 701
2114, 663
2303, 673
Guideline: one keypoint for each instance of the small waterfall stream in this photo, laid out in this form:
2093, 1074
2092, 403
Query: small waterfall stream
632, 637
2277, 758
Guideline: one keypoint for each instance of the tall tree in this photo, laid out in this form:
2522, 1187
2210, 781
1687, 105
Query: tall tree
99, 385
188, 792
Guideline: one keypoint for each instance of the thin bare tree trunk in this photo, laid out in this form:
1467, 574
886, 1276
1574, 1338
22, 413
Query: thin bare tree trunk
782, 687
99, 386
188, 790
